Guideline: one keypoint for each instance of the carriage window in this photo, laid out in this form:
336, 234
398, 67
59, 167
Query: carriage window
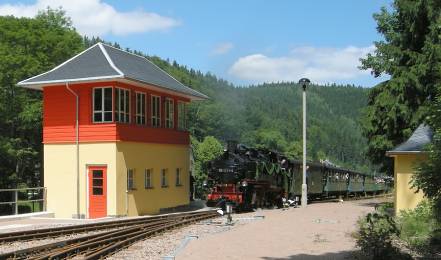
102, 105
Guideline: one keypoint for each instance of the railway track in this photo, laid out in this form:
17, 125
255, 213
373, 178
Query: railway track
96, 246
345, 198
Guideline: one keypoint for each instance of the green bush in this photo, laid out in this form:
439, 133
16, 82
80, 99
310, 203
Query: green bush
386, 208
375, 235
418, 227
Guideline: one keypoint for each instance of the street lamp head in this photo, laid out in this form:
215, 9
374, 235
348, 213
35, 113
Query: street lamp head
304, 82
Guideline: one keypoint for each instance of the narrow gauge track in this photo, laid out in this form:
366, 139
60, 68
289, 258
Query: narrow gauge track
345, 198
99, 245
75, 229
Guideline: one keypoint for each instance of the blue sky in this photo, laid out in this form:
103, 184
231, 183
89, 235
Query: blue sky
244, 42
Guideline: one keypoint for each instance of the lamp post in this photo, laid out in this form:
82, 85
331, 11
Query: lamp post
304, 82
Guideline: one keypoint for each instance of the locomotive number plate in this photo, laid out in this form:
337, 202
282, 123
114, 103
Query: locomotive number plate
225, 170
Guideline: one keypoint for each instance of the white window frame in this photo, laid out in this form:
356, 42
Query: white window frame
169, 113
148, 178
155, 119
118, 103
181, 116
102, 111
178, 177
140, 113
164, 179
131, 179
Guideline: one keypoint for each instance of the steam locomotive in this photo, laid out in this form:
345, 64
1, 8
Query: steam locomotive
257, 177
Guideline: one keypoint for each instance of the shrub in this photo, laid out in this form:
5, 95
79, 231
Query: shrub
375, 235
418, 226
386, 208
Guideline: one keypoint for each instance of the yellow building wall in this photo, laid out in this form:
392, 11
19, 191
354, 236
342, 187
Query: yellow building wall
60, 177
405, 197
141, 156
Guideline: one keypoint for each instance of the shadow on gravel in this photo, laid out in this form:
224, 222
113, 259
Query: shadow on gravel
194, 205
337, 256
370, 204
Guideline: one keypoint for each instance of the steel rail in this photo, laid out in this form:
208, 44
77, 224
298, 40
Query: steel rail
351, 198
65, 230
112, 248
109, 241
65, 243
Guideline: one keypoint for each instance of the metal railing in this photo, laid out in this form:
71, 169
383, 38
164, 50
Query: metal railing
23, 196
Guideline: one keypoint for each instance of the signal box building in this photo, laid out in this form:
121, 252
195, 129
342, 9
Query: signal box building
407, 156
114, 135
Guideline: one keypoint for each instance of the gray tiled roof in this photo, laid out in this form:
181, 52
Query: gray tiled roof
105, 62
417, 141
141, 69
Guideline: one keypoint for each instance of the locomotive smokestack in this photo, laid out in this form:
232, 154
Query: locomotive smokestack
231, 145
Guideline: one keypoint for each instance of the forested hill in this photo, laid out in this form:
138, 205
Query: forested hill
265, 115
270, 115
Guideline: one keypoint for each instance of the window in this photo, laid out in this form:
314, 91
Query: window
178, 177
181, 116
148, 184
122, 105
130, 179
169, 113
102, 105
164, 182
97, 182
140, 108
156, 111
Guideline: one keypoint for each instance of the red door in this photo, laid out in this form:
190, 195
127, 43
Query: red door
97, 191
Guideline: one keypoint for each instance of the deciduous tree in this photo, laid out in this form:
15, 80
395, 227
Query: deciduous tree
28, 46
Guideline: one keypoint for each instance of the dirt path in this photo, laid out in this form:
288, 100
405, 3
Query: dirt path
321, 231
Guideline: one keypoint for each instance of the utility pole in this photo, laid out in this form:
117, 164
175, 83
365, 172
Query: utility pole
304, 82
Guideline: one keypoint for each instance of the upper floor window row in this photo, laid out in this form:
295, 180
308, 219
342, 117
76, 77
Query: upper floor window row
102, 105
122, 105
169, 113
115, 106
156, 111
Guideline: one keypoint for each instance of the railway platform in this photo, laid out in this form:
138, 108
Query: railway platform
320, 231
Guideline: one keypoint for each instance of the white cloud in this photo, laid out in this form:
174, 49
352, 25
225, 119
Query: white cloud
222, 48
96, 18
321, 65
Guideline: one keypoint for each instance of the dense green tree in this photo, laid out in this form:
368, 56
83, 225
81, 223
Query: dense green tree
28, 47
428, 177
411, 55
203, 152
397, 106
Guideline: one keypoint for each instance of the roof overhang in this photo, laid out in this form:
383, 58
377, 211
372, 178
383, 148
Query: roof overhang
40, 84
393, 153
119, 78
